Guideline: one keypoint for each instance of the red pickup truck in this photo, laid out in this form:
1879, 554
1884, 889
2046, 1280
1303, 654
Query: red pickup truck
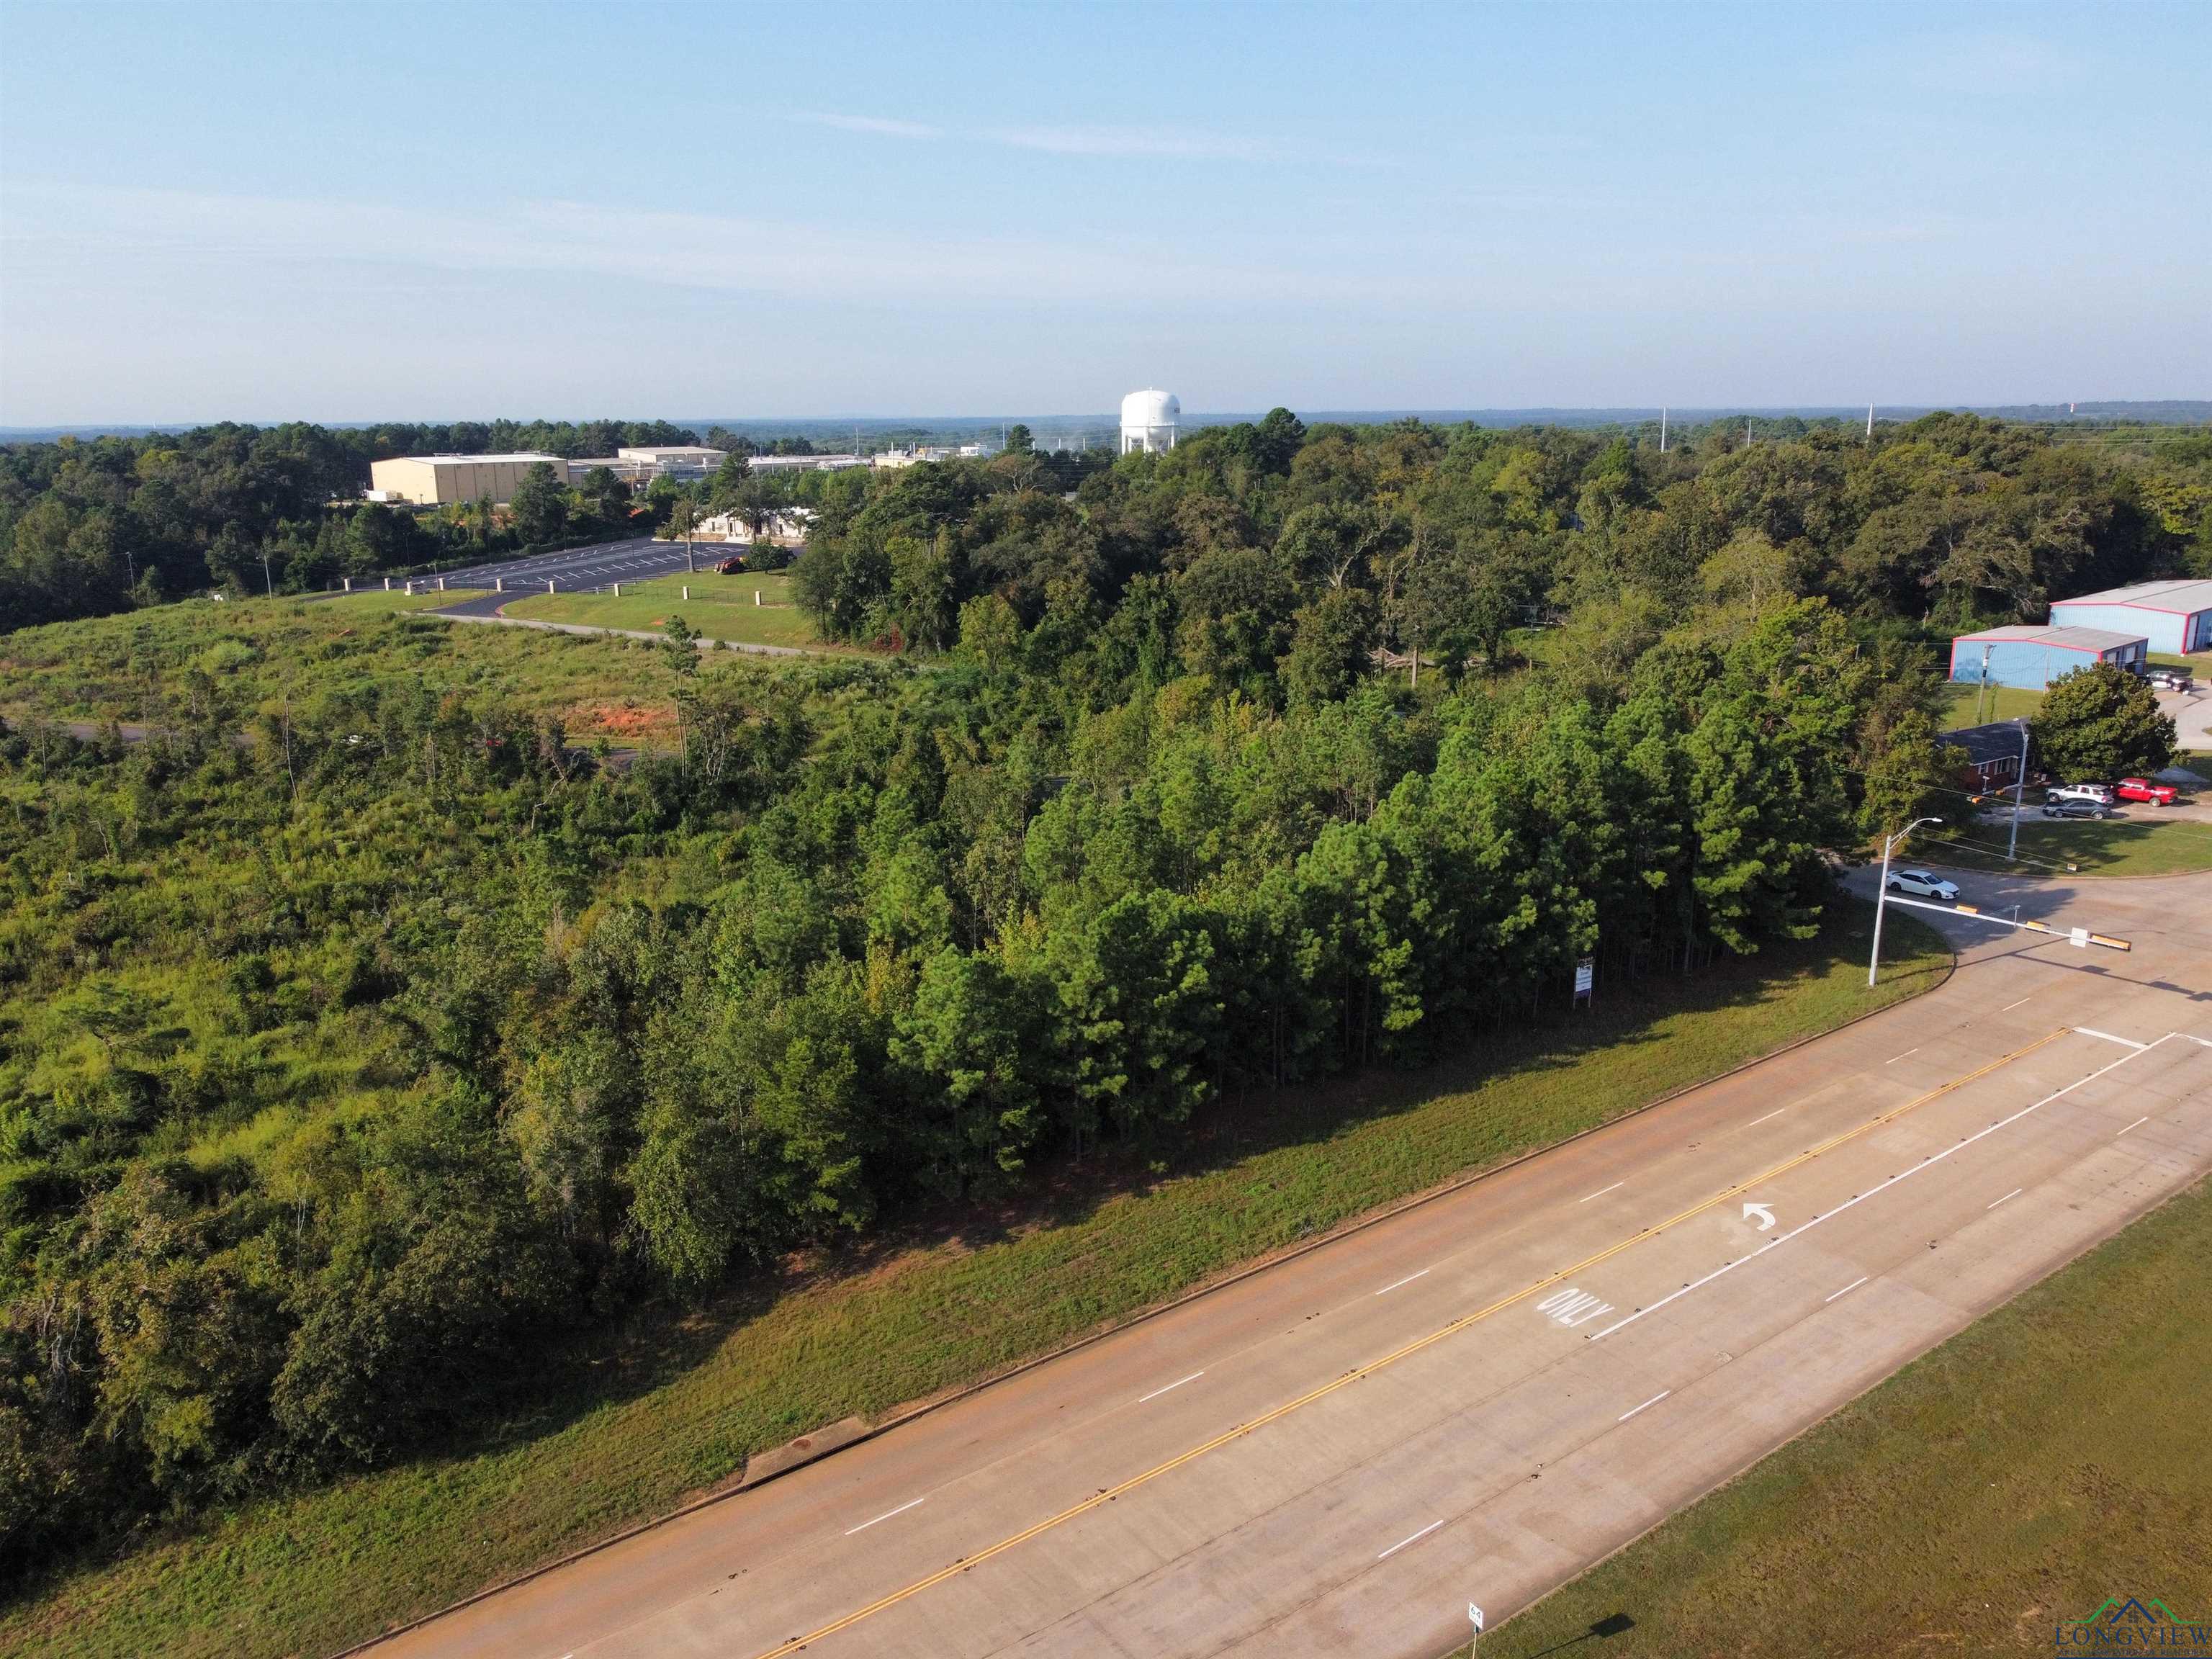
2142, 789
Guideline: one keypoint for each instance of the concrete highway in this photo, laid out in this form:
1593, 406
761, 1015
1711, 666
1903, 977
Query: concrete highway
1479, 1397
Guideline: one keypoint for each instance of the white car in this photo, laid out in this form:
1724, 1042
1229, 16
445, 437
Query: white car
1924, 884
2100, 792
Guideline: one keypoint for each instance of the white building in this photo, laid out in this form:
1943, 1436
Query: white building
1149, 419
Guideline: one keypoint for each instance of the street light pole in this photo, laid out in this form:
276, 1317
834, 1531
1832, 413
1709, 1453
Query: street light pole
2012, 852
1881, 893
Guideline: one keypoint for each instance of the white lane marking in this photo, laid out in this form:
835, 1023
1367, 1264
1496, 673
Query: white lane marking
1177, 1383
1756, 1121
1402, 1542
2129, 1042
2014, 1192
887, 1515
1849, 1288
2009, 1006
1602, 1191
1777, 1242
2138, 1124
1408, 1279
1893, 1058
1571, 1307
1654, 1400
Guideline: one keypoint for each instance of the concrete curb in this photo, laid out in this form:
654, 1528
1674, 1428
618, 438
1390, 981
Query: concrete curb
587, 628
742, 1481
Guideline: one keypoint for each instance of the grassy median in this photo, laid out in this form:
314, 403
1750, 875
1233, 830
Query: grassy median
2050, 1455
720, 607
627, 1430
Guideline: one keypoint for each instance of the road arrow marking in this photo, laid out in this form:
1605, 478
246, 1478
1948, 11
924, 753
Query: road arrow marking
1765, 1215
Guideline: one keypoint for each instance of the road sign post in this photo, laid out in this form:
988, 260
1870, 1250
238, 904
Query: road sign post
1585, 978
1474, 1618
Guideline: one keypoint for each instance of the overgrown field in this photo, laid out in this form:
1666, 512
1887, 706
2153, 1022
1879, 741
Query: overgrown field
172, 663
2049, 1456
627, 1430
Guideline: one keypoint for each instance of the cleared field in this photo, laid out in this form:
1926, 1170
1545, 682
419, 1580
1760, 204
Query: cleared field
720, 607
2113, 848
621, 1432
2048, 1457
1998, 702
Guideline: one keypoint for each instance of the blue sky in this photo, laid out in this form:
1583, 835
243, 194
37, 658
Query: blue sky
342, 213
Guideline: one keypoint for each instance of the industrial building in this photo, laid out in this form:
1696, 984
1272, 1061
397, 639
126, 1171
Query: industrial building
2032, 656
434, 480
1149, 420
2175, 616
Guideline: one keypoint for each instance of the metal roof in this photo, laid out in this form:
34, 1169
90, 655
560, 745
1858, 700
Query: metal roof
1998, 740
2096, 639
2182, 597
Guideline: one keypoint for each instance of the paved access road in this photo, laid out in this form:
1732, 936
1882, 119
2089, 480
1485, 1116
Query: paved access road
1481, 1395
584, 568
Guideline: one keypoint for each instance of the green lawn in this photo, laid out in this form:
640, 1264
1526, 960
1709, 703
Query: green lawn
1999, 703
720, 607
621, 1432
2050, 1456
2113, 847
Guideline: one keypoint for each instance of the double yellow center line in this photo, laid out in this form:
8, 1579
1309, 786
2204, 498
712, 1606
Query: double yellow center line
1348, 1378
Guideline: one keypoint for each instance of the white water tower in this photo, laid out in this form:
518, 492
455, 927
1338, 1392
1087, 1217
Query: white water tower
1149, 420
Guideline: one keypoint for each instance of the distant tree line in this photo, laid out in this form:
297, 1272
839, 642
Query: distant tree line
95, 526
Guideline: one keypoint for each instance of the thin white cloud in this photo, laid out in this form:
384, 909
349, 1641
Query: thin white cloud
1170, 144
57, 229
879, 126
1131, 142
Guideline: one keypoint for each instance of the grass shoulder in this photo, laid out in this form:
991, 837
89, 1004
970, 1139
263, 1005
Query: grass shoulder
2114, 846
2047, 1457
719, 607
627, 1430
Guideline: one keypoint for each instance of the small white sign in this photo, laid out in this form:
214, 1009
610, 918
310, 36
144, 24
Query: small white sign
2081, 937
1585, 975
1474, 1617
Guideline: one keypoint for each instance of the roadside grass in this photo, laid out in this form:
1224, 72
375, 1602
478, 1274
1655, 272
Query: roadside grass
136, 666
720, 607
2063, 847
2048, 1456
621, 1431
1999, 703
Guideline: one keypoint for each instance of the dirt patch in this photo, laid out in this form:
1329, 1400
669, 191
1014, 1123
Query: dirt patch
623, 719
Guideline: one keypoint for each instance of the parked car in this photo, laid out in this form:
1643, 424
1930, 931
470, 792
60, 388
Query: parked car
731, 566
1925, 883
2142, 789
2171, 679
2098, 793
2073, 807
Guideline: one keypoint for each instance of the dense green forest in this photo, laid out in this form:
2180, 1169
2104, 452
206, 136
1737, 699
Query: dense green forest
95, 526
357, 1042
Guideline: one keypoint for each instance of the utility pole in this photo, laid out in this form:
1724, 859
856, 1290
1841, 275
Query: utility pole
2019, 783
1869, 422
268, 581
1663, 429
1881, 893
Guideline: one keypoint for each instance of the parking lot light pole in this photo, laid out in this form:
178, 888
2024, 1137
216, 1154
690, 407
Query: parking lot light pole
1881, 893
